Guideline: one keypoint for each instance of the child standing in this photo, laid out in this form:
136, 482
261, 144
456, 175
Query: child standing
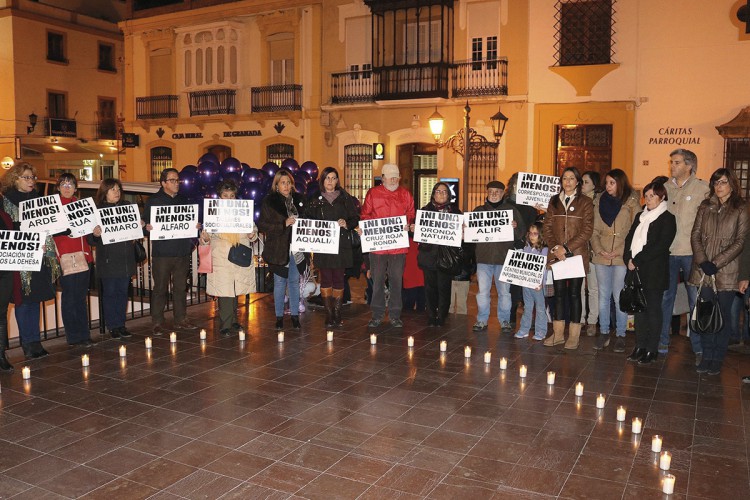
534, 297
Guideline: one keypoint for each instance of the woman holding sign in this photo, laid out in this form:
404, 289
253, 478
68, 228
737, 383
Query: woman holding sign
75, 256
280, 209
19, 184
227, 280
115, 263
334, 204
568, 227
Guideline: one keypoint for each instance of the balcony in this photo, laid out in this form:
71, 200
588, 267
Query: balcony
276, 98
155, 107
106, 129
353, 86
412, 81
480, 78
60, 127
212, 102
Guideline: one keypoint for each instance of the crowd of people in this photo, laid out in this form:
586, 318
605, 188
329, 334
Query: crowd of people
679, 230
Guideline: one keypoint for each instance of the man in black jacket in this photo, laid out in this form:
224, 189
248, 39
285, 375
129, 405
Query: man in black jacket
170, 259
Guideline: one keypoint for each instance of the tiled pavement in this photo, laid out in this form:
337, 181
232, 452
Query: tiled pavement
312, 419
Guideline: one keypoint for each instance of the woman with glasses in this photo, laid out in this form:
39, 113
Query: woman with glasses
19, 184
75, 285
334, 204
717, 239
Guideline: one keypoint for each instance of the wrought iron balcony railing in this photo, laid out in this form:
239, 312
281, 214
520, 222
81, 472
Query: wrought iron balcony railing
213, 102
276, 98
480, 78
353, 86
156, 106
106, 129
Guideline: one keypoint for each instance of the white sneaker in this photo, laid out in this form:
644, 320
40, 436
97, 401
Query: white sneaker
520, 335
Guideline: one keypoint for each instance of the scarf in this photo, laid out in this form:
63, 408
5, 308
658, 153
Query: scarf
495, 206
291, 211
641, 232
609, 207
330, 196
444, 207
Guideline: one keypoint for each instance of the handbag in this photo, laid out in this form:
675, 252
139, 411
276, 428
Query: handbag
241, 255
73, 262
205, 264
632, 297
140, 252
706, 316
450, 259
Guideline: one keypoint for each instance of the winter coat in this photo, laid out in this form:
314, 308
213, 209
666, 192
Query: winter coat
612, 238
653, 259
380, 202
272, 223
6, 224
683, 202
227, 279
168, 248
116, 260
65, 244
413, 275
572, 227
494, 252
718, 235
428, 253
343, 207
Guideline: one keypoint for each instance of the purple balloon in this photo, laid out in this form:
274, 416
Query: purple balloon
252, 191
270, 169
188, 182
189, 168
230, 165
208, 173
244, 171
256, 216
311, 168
211, 193
234, 177
313, 189
290, 164
253, 175
208, 157
300, 186
301, 175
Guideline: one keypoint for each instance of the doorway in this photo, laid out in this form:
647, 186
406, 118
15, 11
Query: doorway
418, 165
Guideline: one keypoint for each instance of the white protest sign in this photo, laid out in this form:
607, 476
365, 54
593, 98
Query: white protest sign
318, 236
571, 267
438, 228
21, 251
228, 216
120, 223
387, 233
82, 216
174, 222
536, 189
493, 225
44, 214
523, 269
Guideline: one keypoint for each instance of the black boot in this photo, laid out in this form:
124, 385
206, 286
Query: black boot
37, 350
27, 352
647, 358
295, 322
279, 322
637, 353
326, 294
337, 299
5, 365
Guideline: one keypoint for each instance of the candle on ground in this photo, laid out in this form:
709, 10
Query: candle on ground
621, 413
281, 336
551, 378
665, 460
329, 336
147, 342
241, 334
668, 484
487, 357
203, 334
173, 337
26, 373
503, 363
443, 346
579, 389
637, 425
467, 352
656, 443
85, 360
123, 351
410, 341
373, 339
522, 371
600, 401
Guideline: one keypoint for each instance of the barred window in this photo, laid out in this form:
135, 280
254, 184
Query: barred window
737, 158
584, 31
161, 159
358, 169
277, 153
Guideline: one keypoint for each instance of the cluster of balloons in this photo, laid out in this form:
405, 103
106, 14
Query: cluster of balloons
200, 182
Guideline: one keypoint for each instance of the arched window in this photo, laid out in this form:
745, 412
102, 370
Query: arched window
161, 158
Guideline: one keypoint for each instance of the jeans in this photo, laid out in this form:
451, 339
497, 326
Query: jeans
486, 273
27, 317
164, 269
679, 265
280, 285
611, 280
534, 300
115, 301
714, 345
74, 311
738, 309
389, 266
590, 296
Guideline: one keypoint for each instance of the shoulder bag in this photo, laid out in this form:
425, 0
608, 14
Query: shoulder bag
241, 255
632, 297
73, 262
140, 252
706, 316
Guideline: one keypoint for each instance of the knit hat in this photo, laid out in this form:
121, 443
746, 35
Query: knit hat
390, 170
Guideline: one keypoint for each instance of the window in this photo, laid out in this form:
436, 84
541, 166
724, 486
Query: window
209, 56
478, 56
737, 158
277, 153
358, 169
107, 57
423, 42
161, 158
584, 32
56, 47
107, 125
491, 52
281, 55
221, 152
57, 105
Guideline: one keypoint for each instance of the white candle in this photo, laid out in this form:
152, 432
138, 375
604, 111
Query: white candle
656, 443
173, 337
665, 460
467, 352
373, 339
147, 342
241, 335
600, 401
487, 357
281, 336
443, 346
26, 373
123, 351
668, 485
410, 341
637, 425
329, 336
522, 371
203, 334
503, 363
579, 389
85, 360
551, 378
621, 413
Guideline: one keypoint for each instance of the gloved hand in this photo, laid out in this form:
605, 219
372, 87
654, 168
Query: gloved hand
709, 268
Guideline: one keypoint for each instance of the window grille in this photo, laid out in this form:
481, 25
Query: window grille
277, 153
358, 169
584, 31
161, 159
737, 158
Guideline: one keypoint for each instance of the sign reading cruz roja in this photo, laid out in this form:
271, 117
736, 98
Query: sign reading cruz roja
387, 233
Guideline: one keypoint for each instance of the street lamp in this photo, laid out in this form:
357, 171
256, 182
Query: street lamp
466, 141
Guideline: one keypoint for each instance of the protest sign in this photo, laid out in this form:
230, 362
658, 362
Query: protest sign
387, 233
493, 225
523, 269
21, 251
120, 223
82, 216
536, 189
318, 236
228, 216
174, 222
438, 228
43, 214
571, 267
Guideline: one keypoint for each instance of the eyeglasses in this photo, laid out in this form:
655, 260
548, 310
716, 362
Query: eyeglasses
721, 182
28, 177
67, 185
173, 181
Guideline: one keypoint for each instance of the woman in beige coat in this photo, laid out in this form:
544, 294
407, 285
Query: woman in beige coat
227, 281
614, 212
